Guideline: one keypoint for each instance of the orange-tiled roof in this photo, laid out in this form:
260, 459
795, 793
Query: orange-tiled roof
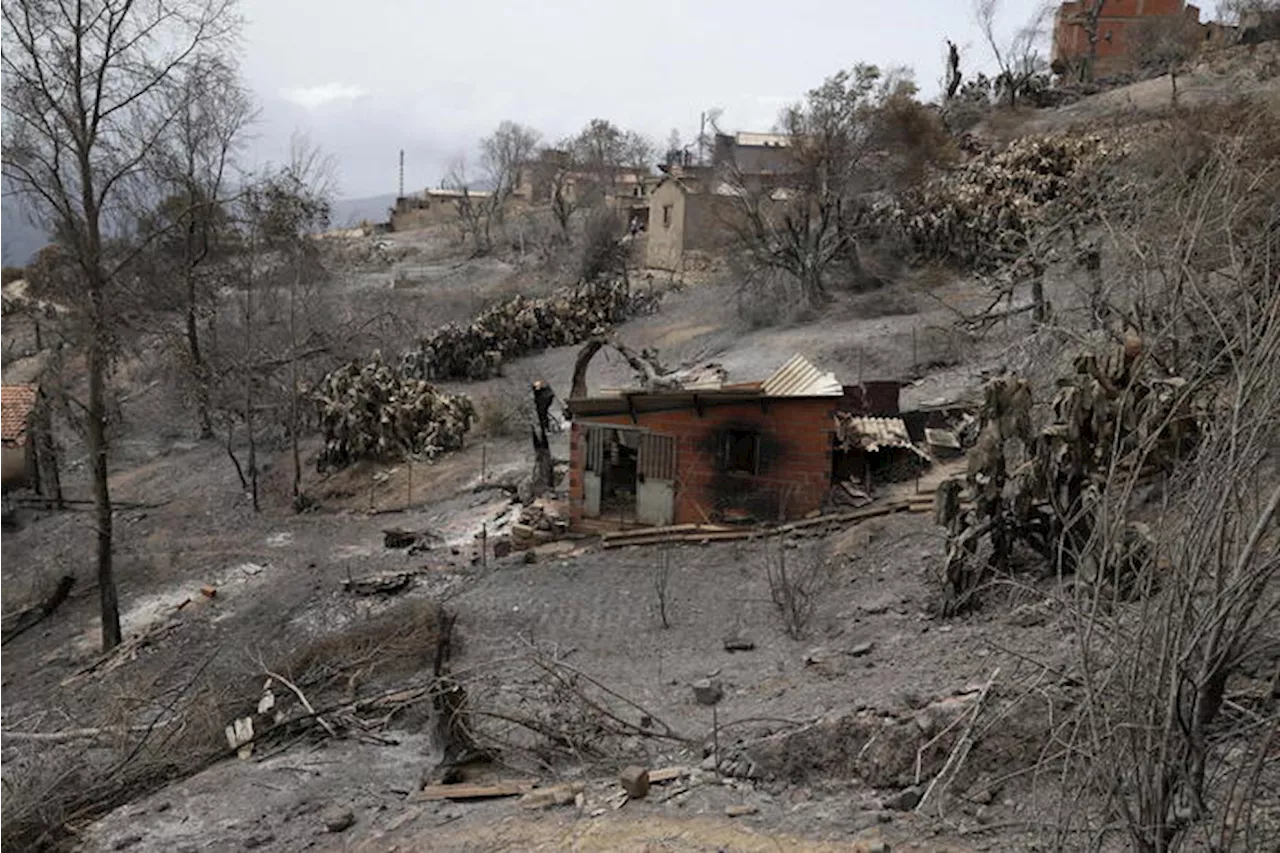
16, 403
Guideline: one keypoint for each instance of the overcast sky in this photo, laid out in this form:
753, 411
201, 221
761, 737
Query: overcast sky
365, 79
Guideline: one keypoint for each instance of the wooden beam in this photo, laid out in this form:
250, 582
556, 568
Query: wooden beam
465, 791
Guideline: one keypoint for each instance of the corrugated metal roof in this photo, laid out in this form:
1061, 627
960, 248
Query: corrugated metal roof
799, 378
16, 403
873, 434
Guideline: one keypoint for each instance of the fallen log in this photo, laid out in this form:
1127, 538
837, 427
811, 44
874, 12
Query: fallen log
26, 619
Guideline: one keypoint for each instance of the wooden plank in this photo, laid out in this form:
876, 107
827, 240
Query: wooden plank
465, 791
667, 774
647, 532
702, 534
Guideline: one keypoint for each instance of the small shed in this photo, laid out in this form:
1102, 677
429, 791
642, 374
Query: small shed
747, 452
17, 416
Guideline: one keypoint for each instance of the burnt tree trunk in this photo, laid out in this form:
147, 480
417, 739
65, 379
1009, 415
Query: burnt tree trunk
543, 466
97, 440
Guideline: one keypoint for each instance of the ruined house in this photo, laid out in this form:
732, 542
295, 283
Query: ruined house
17, 422
692, 208
1117, 22
432, 207
685, 218
713, 452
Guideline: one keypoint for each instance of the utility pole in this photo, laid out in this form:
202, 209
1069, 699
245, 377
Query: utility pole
401, 194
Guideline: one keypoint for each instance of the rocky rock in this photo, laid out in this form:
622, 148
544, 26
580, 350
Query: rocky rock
861, 649
253, 842
501, 547
635, 781
338, 820
707, 691
905, 800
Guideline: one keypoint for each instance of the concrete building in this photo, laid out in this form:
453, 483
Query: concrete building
693, 209
430, 207
1117, 23
756, 451
684, 217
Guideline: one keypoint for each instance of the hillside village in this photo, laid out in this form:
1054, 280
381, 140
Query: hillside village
902, 476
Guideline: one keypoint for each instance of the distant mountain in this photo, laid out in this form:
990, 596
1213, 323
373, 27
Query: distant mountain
348, 212
19, 239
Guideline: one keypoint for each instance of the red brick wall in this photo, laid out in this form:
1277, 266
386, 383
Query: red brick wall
795, 458
1071, 41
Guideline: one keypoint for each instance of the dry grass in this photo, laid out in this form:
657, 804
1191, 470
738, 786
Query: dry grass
399, 639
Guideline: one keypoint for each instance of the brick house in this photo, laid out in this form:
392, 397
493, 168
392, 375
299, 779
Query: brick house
1116, 26
17, 420
756, 451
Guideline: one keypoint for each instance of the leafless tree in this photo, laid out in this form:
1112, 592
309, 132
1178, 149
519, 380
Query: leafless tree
602, 153
282, 323
86, 107
801, 219
504, 156
564, 198
468, 204
1018, 57
213, 110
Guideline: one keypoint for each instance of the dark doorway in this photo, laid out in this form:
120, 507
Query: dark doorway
618, 480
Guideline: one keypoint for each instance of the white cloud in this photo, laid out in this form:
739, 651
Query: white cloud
315, 97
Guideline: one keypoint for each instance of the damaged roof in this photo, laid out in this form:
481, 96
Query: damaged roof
874, 434
797, 378
16, 405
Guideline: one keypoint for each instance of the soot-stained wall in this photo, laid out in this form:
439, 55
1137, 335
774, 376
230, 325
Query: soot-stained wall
790, 479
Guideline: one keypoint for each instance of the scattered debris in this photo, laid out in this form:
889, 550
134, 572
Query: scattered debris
707, 691
741, 810
556, 795
542, 521
209, 591
384, 584
396, 538
667, 774
738, 644
240, 736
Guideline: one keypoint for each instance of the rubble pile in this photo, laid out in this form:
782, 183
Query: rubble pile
538, 522
982, 214
375, 411
517, 327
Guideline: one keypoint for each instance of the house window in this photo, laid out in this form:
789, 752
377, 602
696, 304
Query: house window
666, 216
742, 451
